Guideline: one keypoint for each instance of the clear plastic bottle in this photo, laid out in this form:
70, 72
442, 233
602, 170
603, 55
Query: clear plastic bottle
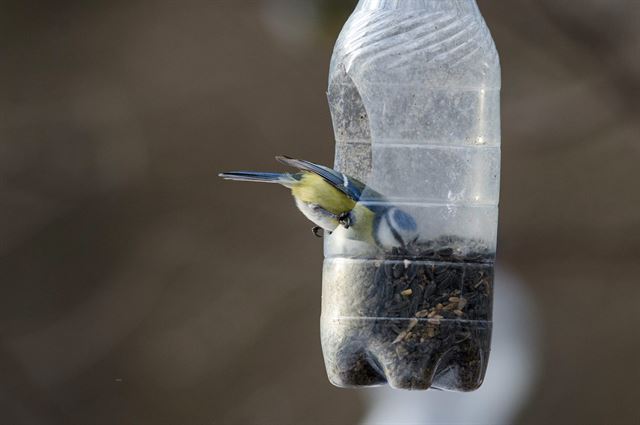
414, 93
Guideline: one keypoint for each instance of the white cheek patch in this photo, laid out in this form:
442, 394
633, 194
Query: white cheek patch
404, 233
385, 235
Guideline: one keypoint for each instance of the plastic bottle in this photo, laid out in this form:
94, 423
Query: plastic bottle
414, 93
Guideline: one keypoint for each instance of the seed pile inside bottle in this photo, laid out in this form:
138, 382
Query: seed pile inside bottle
418, 317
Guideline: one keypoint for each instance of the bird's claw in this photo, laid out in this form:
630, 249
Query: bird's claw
345, 219
318, 231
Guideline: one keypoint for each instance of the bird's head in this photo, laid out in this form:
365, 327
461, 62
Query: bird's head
396, 228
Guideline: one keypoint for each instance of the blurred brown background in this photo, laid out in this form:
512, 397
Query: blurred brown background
137, 287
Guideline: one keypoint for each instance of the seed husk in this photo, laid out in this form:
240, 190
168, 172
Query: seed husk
422, 314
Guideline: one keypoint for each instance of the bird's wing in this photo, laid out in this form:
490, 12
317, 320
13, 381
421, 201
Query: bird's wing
348, 185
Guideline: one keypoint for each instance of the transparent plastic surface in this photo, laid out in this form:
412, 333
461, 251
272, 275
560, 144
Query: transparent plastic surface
414, 93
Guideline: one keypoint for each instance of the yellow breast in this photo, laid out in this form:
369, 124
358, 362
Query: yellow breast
314, 189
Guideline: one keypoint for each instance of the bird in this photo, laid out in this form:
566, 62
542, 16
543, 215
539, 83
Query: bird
334, 201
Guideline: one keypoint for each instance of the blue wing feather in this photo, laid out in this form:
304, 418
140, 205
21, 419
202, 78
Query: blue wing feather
348, 185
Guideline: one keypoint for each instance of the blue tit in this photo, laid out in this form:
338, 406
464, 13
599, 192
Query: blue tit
331, 199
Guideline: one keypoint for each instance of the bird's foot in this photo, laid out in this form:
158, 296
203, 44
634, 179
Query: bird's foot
318, 231
345, 219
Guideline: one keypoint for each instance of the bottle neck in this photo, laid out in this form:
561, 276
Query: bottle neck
463, 6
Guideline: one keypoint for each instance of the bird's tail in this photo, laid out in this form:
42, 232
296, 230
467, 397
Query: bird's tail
256, 176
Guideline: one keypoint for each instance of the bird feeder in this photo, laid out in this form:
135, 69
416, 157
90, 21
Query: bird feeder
414, 94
